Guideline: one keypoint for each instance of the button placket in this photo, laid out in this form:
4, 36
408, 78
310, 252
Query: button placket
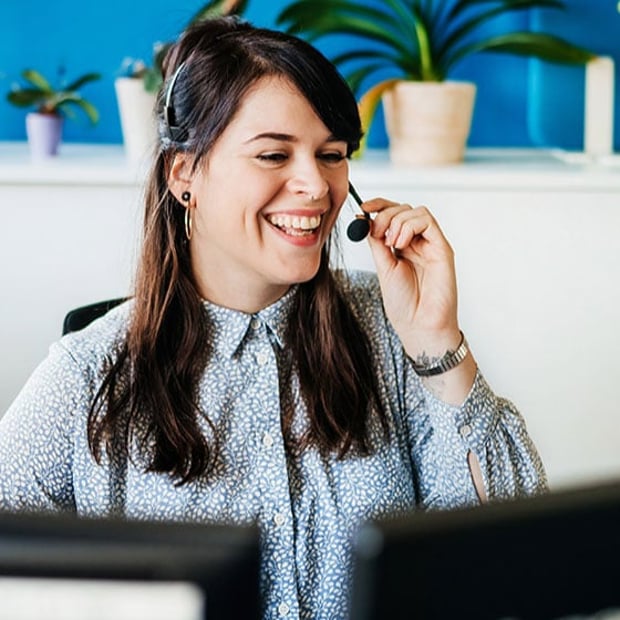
271, 470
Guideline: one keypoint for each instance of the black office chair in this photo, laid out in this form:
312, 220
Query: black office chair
79, 318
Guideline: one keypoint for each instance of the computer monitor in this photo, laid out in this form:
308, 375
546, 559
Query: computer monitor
211, 570
552, 556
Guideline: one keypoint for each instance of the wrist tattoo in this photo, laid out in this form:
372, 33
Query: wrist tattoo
428, 366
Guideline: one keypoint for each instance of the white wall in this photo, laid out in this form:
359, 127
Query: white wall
67, 238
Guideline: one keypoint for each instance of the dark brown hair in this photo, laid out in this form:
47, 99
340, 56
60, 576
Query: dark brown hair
149, 392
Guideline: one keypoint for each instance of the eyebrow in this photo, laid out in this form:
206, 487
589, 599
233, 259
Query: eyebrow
284, 137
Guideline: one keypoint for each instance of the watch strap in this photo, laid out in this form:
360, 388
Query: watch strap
450, 360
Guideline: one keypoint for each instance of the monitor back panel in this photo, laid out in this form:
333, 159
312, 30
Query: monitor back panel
543, 558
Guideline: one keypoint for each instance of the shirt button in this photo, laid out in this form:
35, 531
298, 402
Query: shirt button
465, 430
267, 440
279, 519
283, 609
255, 324
261, 358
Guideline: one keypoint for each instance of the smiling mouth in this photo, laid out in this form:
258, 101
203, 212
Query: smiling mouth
294, 225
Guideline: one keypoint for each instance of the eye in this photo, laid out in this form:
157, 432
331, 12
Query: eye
272, 157
332, 157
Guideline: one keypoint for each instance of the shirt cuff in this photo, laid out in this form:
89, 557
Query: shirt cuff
474, 420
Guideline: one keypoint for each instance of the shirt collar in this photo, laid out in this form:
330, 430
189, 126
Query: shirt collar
229, 327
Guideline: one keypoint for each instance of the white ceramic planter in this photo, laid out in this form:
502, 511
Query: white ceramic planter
136, 110
44, 132
428, 123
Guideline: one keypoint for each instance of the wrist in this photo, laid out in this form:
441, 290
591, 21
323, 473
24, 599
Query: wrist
441, 357
431, 343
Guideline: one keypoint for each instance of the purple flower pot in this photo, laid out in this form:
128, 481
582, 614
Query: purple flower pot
44, 133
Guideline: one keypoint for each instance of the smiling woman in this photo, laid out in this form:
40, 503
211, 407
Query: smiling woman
248, 381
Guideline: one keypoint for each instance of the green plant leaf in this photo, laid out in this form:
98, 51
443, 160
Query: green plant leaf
543, 46
88, 108
460, 6
37, 80
393, 26
460, 32
321, 17
404, 16
359, 54
427, 70
301, 12
85, 79
25, 97
337, 24
345, 57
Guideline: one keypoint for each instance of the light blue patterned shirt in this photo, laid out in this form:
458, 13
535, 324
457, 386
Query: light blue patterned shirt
308, 507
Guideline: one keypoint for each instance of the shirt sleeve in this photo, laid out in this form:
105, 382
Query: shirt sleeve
37, 435
488, 426
439, 437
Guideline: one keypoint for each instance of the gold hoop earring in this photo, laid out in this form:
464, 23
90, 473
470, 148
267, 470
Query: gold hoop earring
188, 222
185, 197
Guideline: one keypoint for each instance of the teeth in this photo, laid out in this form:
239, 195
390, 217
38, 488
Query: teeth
294, 221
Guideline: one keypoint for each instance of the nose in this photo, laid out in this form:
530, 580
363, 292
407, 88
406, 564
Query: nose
308, 181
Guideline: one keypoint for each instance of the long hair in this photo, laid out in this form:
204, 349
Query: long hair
150, 390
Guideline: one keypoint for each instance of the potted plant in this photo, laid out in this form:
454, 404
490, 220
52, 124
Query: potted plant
52, 105
137, 87
417, 43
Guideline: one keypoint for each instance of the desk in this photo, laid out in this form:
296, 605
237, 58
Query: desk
538, 260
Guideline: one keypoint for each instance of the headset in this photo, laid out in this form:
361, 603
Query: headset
359, 228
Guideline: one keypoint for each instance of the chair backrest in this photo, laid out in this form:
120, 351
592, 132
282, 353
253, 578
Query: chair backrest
79, 318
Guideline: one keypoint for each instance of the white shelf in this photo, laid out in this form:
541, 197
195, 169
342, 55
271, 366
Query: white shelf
482, 169
496, 169
76, 164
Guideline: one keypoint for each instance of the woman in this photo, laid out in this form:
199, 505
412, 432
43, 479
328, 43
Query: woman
246, 382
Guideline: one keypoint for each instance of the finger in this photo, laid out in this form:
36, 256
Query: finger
378, 204
383, 256
405, 226
383, 218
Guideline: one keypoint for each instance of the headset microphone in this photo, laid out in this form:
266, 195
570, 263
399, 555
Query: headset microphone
359, 228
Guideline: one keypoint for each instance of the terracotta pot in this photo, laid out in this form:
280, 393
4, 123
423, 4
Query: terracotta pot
136, 110
428, 123
44, 132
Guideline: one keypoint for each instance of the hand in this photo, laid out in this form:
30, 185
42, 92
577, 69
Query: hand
415, 266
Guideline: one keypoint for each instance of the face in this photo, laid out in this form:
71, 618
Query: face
266, 198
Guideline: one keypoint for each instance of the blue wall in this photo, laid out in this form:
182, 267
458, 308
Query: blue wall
97, 37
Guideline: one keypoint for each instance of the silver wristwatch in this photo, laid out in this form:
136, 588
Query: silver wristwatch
450, 360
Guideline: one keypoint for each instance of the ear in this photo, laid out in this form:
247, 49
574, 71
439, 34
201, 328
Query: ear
180, 176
